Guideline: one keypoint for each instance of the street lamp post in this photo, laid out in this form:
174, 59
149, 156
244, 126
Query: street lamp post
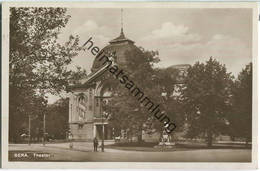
164, 97
103, 130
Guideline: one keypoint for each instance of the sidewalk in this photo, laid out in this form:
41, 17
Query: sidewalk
61, 152
77, 146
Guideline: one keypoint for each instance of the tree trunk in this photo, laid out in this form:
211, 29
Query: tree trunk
209, 139
139, 136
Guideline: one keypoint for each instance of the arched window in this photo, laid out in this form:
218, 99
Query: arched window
82, 106
106, 92
81, 99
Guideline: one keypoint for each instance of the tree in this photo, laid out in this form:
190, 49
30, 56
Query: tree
127, 110
33, 106
241, 116
57, 119
206, 98
167, 89
38, 62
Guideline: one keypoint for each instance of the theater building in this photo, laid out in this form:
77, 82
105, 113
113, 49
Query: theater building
86, 118
85, 112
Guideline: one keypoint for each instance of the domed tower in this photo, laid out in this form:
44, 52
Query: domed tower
118, 46
86, 118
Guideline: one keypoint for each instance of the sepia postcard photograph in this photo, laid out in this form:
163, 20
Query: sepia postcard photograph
129, 85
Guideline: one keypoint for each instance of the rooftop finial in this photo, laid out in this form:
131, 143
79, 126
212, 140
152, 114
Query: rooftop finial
121, 20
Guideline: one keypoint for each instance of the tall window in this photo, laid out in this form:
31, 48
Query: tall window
81, 115
82, 106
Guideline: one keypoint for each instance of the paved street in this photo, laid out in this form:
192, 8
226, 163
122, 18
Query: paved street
84, 152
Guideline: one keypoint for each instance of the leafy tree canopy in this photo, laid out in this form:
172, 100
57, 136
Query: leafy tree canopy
207, 99
126, 110
241, 117
38, 63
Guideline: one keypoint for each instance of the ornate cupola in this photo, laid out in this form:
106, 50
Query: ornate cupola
121, 38
119, 46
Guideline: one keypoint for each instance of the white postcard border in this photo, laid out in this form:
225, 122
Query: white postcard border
126, 165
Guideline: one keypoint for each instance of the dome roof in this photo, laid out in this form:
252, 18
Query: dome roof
118, 46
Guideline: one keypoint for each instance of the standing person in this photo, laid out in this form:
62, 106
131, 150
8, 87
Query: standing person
164, 139
70, 136
95, 142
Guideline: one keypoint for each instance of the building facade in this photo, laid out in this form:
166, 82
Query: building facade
86, 116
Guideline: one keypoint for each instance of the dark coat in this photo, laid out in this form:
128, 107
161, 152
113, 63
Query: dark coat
95, 141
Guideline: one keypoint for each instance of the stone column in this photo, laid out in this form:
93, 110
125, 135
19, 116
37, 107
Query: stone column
94, 131
108, 132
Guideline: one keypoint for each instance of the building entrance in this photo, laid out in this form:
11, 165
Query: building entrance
107, 132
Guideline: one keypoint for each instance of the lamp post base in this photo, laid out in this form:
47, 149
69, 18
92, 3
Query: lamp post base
102, 147
165, 145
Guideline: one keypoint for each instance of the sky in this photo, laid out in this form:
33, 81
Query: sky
181, 36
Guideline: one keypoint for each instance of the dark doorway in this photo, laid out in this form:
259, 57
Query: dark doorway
107, 132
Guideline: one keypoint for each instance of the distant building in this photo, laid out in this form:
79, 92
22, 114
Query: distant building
180, 82
182, 71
